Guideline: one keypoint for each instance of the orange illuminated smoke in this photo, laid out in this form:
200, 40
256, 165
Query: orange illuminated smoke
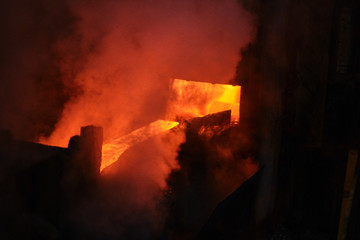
196, 99
113, 150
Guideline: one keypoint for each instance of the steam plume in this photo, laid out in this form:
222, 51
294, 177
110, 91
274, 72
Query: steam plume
72, 63
138, 46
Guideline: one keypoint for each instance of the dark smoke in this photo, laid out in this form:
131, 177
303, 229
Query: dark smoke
210, 169
33, 87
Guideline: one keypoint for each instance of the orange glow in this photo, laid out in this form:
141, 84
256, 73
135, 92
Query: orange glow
196, 99
113, 150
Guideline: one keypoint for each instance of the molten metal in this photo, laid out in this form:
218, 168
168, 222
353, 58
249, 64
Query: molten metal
189, 99
113, 150
197, 99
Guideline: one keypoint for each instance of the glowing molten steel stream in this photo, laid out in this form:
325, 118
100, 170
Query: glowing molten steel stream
189, 99
113, 150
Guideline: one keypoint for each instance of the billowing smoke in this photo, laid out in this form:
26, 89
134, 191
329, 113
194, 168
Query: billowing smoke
137, 47
108, 63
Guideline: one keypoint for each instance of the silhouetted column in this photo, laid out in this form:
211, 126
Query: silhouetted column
91, 145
